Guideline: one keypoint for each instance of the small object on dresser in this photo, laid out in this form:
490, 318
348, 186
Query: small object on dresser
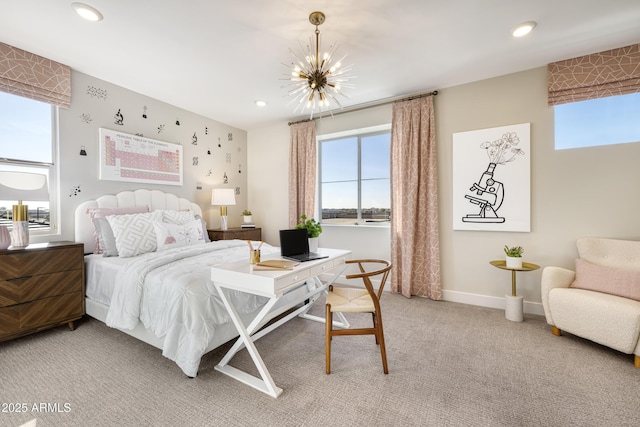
248, 225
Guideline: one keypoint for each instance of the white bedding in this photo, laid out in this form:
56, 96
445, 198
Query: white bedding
156, 289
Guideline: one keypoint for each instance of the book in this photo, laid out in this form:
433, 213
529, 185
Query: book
278, 264
248, 225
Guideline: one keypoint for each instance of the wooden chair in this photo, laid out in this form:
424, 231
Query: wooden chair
352, 300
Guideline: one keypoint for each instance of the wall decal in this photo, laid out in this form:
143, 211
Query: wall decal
219, 144
140, 135
239, 168
206, 130
160, 128
195, 161
210, 172
491, 179
119, 118
194, 139
83, 152
228, 157
86, 118
75, 191
198, 186
177, 122
237, 191
126, 157
225, 178
209, 151
97, 93
144, 112
229, 137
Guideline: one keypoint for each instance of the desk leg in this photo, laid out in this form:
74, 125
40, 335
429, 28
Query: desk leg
343, 323
266, 384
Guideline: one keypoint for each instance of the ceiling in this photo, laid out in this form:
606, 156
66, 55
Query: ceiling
215, 58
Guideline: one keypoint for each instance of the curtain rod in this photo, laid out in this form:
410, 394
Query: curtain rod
371, 105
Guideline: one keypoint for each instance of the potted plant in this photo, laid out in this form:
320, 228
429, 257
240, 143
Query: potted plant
313, 228
246, 216
514, 256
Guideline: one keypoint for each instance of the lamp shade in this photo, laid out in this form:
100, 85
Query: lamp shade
23, 186
223, 197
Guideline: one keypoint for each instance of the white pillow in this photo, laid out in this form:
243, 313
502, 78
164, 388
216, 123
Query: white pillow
174, 235
134, 233
177, 217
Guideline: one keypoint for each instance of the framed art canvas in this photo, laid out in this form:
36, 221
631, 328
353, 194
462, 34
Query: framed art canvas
133, 158
491, 179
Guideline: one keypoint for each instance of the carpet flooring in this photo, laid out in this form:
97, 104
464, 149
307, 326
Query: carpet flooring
449, 365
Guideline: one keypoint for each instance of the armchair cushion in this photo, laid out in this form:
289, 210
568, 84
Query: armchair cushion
609, 280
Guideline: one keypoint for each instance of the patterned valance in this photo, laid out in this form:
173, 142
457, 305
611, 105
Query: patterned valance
32, 76
609, 73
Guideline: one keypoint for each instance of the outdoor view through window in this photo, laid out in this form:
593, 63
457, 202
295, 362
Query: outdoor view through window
355, 178
25, 147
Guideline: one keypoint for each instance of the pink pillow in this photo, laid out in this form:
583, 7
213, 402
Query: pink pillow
102, 213
614, 281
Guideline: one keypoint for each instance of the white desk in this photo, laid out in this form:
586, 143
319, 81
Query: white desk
272, 284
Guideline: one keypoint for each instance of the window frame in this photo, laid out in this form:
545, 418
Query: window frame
359, 134
53, 172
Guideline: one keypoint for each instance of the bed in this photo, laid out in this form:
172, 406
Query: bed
163, 295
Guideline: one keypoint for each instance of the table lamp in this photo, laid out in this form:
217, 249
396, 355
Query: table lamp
223, 197
19, 186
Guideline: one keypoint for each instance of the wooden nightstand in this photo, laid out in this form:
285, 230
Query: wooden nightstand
236, 233
41, 286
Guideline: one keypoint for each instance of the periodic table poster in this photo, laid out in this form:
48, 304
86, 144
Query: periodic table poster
133, 158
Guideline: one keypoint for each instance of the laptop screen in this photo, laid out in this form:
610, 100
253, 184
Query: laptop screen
294, 242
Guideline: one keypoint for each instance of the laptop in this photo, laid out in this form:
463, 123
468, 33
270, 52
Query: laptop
294, 245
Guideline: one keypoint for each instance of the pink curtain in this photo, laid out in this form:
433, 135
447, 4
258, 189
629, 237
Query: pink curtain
302, 171
32, 76
415, 249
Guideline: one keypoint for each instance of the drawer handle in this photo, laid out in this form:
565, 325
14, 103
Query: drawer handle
15, 279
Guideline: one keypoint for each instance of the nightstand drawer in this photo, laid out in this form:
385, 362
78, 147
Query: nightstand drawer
31, 288
9, 320
51, 310
16, 265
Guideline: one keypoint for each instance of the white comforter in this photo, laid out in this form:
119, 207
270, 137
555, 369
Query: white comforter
171, 293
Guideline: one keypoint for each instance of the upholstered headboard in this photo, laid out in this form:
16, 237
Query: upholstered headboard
154, 199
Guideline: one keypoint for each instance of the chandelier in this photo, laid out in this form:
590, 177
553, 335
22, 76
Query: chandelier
315, 82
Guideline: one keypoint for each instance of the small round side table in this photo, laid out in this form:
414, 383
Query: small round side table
513, 303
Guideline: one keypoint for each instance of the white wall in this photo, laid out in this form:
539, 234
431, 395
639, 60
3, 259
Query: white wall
94, 104
574, 193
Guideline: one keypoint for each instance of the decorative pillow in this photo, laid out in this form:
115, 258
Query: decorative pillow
614, 281
134, 234
106, 238
177, 217
95, 213
175, 235
204, 228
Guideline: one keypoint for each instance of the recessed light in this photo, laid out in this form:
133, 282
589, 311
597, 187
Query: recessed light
261, 102
87, 12
523, 29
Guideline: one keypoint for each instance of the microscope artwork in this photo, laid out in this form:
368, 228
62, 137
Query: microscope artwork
488, 193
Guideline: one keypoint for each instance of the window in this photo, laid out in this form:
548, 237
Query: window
602, 121
27, 146
355, 177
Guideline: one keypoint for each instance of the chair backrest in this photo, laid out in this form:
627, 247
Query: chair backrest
383, 270
610, 252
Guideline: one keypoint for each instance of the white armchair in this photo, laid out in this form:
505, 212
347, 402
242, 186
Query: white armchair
601, 302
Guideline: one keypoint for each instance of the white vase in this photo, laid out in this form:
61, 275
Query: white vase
514, 262
313, 244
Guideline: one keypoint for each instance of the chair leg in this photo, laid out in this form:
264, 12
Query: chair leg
636, 361
380, 338
328, 327
375, 325
555, 331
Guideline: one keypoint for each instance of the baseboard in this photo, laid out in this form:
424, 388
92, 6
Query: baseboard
489, 301
529, 307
